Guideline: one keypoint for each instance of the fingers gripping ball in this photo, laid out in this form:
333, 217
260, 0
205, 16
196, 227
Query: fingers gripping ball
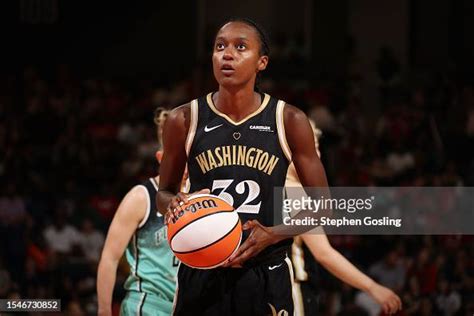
206, 233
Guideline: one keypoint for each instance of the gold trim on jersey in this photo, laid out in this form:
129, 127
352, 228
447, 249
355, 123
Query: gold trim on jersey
280, 123
192, 126
297, 258
262, 106
154, 182
295, 291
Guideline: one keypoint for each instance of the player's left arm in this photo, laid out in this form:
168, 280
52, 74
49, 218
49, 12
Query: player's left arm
127, 218
311, 172
344, 270
300, 137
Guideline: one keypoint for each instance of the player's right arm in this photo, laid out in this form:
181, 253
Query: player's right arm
130, 213
174, 157
173, 162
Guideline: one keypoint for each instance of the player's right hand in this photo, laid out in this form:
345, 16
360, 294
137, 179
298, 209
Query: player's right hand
174, 207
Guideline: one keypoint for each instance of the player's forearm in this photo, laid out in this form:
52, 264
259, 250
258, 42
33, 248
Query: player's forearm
343, 269
106, 277
163, 199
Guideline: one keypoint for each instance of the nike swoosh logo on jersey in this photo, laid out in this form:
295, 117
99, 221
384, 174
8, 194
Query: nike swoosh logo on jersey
208, 129
274, 267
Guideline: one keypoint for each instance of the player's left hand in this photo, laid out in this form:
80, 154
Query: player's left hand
388, 300
260, 237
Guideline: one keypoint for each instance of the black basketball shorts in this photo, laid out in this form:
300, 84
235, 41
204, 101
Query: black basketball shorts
263, 289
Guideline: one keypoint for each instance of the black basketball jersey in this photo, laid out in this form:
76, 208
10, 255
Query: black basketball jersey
241, 162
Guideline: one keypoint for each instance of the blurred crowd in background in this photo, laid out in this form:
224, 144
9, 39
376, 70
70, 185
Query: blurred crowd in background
72, 146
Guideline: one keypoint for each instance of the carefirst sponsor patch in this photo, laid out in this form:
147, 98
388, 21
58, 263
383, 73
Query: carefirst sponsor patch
261, 128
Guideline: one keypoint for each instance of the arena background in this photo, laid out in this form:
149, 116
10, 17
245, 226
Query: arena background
390, 83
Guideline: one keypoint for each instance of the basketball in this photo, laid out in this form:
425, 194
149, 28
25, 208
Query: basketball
206, 233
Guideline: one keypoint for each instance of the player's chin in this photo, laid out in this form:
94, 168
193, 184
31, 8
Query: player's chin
229, 81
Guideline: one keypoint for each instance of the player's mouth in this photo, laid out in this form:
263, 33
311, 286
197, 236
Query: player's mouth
227, 69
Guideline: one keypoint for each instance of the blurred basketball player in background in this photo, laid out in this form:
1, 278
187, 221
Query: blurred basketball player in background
139, 230
235, 143
320, 248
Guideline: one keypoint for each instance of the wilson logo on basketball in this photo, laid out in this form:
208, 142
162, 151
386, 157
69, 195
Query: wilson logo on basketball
199, 205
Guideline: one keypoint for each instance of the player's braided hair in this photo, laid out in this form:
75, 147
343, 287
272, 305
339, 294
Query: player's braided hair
262, 35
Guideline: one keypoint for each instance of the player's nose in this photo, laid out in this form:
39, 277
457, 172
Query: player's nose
228, 53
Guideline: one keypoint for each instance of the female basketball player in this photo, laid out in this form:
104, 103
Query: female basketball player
236, 145
141, 234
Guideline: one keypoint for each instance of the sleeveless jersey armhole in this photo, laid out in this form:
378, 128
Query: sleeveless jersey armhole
192, 126
187, 185
280, 123
147, 213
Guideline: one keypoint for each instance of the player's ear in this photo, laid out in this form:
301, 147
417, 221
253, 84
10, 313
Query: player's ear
159, 155
262, 63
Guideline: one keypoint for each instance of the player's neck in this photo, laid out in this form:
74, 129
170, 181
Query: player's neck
237, 104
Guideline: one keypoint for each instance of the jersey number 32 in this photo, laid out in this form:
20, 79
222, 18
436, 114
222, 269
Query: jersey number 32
222, 186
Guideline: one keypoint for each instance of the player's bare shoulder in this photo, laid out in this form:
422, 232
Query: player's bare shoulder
300, 134
177, 124
134, 204
137, 194
293, 115
180, 116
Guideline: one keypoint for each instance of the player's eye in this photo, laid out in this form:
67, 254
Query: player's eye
219, 46
241, 47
